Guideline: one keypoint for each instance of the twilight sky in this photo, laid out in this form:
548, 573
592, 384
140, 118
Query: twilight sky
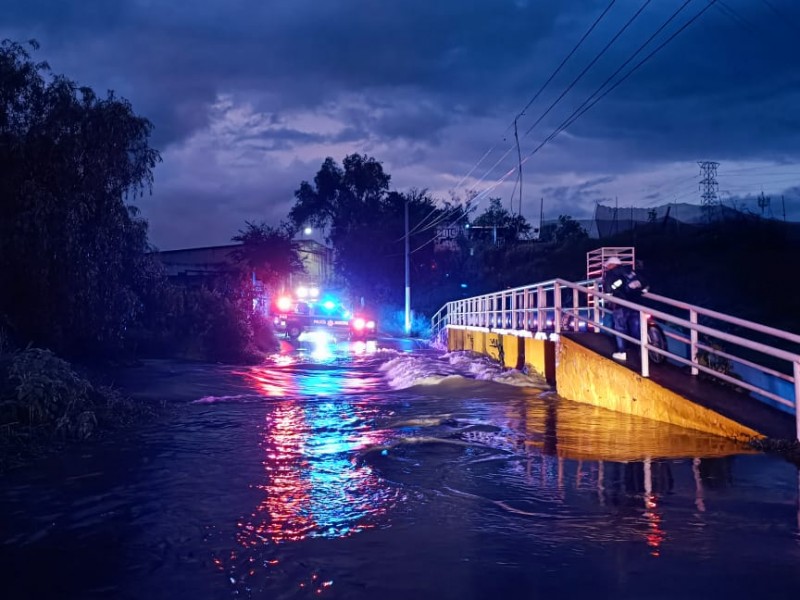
248, 97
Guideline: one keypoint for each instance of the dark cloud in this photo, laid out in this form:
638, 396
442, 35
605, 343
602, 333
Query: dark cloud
249, 96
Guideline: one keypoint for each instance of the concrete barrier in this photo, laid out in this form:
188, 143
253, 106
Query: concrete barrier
584, 376
581, 375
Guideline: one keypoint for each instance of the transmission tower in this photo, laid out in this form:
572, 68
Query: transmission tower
708, 185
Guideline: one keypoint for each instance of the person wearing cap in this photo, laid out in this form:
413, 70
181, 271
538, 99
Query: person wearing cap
622, 282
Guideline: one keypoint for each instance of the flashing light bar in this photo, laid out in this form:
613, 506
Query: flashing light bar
284, 303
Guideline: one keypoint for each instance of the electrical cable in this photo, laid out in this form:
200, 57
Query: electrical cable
573, 83
590, 65
538, 93
578, 113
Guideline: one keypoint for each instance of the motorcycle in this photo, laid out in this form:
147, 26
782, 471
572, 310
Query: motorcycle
656, 339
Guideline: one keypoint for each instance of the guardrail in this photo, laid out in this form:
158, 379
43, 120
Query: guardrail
558, 305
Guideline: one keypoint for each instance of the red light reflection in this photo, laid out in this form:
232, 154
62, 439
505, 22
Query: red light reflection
655, 533
315, 484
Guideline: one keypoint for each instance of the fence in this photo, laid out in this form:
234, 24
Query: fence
697, 334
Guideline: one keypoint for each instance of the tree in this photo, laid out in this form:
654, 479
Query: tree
503, 226
568, 230
365, 224
72, 252
341, 198
268, 251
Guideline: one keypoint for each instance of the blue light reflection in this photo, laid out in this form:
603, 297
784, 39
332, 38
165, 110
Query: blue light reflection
315, 485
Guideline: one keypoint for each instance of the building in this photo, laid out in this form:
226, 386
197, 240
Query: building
209, 263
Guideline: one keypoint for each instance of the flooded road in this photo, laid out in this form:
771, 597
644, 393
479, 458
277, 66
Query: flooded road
393, 471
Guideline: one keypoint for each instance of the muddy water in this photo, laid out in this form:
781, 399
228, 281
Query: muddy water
392, 472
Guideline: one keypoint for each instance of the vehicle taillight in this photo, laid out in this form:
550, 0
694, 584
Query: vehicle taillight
359, 324
284, 303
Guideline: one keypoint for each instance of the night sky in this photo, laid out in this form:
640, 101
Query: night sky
248, 97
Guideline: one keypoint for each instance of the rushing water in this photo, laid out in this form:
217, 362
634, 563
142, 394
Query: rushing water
389, 472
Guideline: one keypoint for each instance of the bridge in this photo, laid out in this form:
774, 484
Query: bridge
693, 366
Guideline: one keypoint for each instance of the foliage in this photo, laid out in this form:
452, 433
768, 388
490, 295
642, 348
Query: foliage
44, 400
504, 227
71, 252
213, 321
222, 325
268, 251
47, 390
366, 225
566, 231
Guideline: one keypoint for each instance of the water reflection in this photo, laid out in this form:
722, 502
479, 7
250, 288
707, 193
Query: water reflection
314, 487
577, 431
628, 461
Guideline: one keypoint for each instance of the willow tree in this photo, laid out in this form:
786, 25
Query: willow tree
72, 250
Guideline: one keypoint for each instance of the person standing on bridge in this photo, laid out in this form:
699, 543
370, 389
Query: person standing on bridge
621, 281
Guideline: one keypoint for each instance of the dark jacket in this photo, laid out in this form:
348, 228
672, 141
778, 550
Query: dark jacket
623, 282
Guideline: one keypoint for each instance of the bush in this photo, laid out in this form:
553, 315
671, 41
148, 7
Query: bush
203, 323
43, 400
219, 327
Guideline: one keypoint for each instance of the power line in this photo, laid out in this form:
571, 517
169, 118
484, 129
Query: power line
735, 16
788, 21
536, 95
590, 65
577, 113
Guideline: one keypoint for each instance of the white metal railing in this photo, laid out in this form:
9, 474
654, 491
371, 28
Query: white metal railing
558, 305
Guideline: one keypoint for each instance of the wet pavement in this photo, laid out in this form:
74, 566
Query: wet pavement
394, 471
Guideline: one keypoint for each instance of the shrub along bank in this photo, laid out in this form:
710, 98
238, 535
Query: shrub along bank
45, 403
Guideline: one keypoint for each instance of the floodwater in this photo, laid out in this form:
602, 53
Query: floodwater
393, 471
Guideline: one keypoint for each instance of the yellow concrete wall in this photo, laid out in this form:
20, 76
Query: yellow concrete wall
490, 347
518, 351
539, 355
584, 376
513, 349
455, 339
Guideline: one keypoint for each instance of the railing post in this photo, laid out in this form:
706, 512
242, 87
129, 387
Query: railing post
528, 307
596, 305
541, 300
575, 311
693, 341
643, 345
557, 308
797, 398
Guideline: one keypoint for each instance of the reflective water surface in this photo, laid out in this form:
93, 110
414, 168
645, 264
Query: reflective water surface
384, 471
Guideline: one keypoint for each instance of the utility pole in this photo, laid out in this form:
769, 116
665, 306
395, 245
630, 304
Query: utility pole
408, 277
541, 217
519, 159
709, 186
